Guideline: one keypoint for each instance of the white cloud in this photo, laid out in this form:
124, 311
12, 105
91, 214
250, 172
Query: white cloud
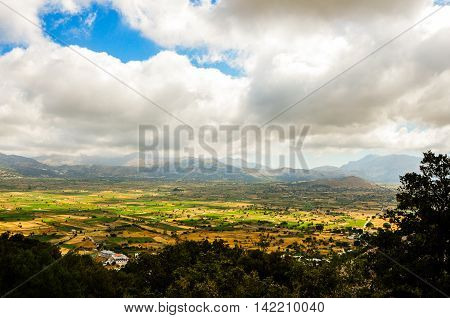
63, 99
55, 101
13, 28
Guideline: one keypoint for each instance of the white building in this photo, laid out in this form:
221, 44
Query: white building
106, 254
117, 259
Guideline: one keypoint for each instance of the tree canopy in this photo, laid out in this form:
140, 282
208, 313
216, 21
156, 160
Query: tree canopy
419, 239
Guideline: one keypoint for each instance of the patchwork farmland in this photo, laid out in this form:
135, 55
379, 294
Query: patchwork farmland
137, 216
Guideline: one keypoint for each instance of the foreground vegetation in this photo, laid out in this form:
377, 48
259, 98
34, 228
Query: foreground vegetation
188, 269
408, 258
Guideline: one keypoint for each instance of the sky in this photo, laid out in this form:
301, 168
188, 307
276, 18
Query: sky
224, 62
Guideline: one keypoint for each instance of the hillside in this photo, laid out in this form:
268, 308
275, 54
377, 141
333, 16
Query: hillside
7, 174
26, 166
343, 183
384, 169
380, 169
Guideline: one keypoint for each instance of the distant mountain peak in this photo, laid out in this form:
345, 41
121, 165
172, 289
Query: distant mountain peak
374, 168
384, 169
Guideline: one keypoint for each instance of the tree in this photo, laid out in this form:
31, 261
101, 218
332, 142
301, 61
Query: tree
22, 258
420, 238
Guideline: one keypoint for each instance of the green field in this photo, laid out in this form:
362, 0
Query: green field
132, 216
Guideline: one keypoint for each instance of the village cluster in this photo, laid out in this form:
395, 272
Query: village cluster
110, 258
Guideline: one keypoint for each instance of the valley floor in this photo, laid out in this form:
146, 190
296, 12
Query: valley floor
141, 216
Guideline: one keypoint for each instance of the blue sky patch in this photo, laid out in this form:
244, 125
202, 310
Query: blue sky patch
196, 54
199, 2
6, 48
442, 2
223, 67
100, 29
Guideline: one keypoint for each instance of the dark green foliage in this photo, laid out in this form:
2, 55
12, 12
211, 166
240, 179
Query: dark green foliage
203, 269
421, 239
70, 276
188, 269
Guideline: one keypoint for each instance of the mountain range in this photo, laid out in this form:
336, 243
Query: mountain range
373, 168
384, 169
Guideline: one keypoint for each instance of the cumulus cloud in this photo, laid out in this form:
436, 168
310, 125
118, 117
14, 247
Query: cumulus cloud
56, 96
13, 29
396, 101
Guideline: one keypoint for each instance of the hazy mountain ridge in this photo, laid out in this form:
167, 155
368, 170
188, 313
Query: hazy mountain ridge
26, 167
79, 160
381, 169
